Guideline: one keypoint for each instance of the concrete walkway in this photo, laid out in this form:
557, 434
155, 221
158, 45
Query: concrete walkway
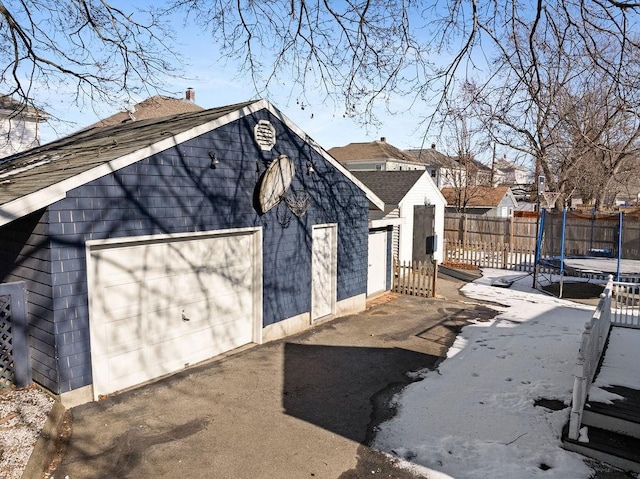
301, 407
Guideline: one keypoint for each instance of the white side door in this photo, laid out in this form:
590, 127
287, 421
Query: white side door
323, 271
377, 271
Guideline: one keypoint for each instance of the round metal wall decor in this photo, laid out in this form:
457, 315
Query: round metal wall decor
298, 202
275, 182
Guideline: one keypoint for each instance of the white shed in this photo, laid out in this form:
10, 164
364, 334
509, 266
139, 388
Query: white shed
405, 194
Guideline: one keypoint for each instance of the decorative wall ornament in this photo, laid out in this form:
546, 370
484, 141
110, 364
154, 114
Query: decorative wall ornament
275, 182
298, 202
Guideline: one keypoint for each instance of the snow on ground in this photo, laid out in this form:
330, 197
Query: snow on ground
475, 416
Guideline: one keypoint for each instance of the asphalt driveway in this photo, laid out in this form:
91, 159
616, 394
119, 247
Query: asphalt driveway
301, 407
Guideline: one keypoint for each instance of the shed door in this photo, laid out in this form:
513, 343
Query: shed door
157, 306
377, 273
424, 221
323, 271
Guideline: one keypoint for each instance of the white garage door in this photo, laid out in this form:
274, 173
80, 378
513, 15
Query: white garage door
160, 304
377, 272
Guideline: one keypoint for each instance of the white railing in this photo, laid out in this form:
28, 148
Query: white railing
625, 305
594, 337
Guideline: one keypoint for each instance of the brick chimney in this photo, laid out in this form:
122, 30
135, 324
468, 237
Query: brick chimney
190, 95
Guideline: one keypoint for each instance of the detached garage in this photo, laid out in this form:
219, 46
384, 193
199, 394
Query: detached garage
149, 246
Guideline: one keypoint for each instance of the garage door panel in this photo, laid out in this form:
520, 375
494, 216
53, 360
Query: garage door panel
135, 367
216, 340
121, 335
156, 307
228, 312
197, 315
124, 265
163, 324
121, 301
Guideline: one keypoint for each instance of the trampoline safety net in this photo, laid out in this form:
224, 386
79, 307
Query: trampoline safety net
588, 243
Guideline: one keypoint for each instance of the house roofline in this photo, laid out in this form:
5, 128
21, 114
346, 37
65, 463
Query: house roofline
371, 196
37, 200
431, 182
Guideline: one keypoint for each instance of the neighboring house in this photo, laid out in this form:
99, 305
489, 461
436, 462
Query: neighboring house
405, 195
157, 106
19, 126
449, 171
516, 177
151, 245
507, 173
374, 156
481, 200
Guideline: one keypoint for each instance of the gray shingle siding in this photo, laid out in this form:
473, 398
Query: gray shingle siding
176, 191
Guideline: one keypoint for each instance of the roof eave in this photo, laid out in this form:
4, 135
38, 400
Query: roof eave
37, 200
371, 196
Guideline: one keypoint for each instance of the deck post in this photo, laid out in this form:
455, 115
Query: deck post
577, 402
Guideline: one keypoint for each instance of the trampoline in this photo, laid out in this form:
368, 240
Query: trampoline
607, 247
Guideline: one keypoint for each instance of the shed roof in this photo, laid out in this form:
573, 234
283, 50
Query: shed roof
478, 196
38, 177
390, 186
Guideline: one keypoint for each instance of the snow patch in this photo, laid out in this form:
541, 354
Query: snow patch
476, 416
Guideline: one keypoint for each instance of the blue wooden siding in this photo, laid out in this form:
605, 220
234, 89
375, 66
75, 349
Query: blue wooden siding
176, 191
25, 255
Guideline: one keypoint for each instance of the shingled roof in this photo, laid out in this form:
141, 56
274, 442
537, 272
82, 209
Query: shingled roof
477, 196
38, 177
10, 107
374, 150
154, 107
432, 157
389, 186
55, 162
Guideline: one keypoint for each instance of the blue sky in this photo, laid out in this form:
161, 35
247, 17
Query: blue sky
218, 85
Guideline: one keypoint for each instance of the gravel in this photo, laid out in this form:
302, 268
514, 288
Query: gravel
23, 413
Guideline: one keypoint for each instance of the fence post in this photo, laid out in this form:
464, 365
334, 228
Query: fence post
435, 278
463, 228
510, 224
505, 256
394, 275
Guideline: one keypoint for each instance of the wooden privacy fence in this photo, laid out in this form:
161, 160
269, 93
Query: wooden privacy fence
515, 232
583, 232
486, 255
416, 278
